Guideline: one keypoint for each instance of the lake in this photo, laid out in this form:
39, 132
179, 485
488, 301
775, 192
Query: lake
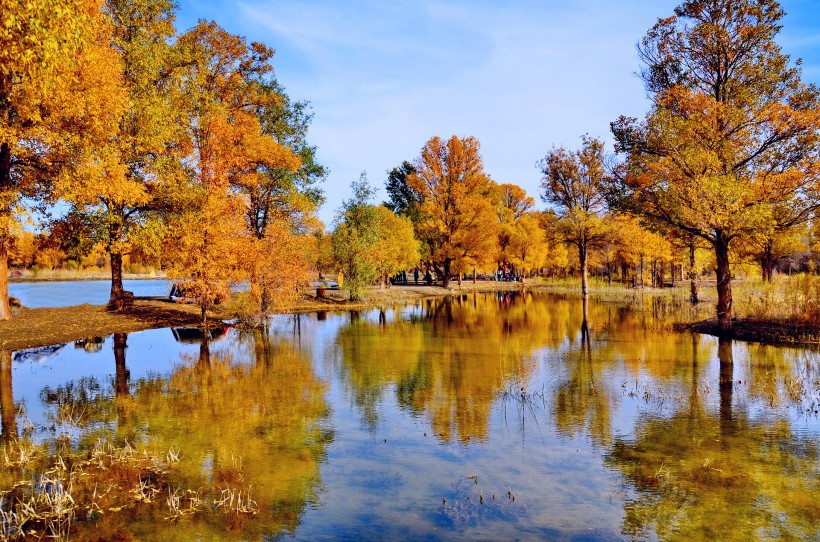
47, 294
482, 416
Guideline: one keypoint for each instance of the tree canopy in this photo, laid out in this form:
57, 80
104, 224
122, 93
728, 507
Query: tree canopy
732, 133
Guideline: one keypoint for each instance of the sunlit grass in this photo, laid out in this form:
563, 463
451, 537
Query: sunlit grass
788, 298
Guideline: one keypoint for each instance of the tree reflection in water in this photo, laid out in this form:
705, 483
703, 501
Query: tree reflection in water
253, 424
718, 475
448, 361
9, 414
641, 432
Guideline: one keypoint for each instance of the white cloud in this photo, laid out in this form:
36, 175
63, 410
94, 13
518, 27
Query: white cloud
383, 77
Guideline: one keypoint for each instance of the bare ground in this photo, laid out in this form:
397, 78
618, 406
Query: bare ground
784, 332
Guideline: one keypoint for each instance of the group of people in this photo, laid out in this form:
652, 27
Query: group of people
428, 277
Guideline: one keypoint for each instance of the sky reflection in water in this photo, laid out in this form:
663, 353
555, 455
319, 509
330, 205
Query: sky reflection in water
481, 416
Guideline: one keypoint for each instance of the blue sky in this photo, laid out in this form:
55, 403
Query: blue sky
383, 77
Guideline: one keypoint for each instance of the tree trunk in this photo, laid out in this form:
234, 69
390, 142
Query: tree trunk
7, 410
121, 372
264, 297
446, 280
116, 301
473, 275
694, 276
204, 350
5, 212
767, 262
641, 277
5, 309
724, 283
582, 258
585, 342
726, 384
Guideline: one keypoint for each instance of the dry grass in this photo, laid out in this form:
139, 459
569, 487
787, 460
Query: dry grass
787, 311
50, 495
91, 273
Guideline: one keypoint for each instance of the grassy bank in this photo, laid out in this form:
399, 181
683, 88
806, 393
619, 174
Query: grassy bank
787, 311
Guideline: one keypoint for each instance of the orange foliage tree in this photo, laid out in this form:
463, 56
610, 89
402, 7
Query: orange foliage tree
732, 133
225, 149
457, 221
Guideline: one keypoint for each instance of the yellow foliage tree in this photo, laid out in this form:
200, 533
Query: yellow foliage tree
119, 178
54, 63
396, 248
575, 182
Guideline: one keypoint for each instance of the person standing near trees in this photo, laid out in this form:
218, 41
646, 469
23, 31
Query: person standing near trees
416, 275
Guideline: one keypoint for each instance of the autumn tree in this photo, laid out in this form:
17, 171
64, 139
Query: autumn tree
281, 200
732, 133
225, 150
574, 183
119, 179
514, 201
457, 221
397, 247
54, 77
527, 245
521, 240
784, 237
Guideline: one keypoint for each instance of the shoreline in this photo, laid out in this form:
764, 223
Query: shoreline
33, 328
85, 278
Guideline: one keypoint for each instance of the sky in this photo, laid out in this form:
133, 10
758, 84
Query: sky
383, 77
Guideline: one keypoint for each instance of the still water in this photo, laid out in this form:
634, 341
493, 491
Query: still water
47, 294
488, 416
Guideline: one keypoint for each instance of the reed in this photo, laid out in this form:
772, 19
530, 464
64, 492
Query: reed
53, 495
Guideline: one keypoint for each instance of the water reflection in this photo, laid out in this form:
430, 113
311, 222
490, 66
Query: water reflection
7, 410
253, 424
718, 474
397, 423
446, 361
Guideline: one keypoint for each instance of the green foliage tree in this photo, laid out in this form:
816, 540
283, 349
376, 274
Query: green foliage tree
354, 237
404, 200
